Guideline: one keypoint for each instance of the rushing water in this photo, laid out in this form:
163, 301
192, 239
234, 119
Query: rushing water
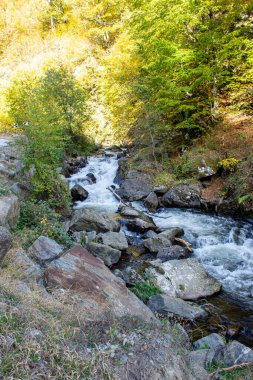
223, 245
4, 143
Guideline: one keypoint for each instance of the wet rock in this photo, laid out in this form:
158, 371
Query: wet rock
151, 202
78, 193
9, 211
128, 211
108, 254
183, 195
135, 187
73, 165
91, 220
115, 240
210, 341
140, 225
172, 232
122, 171
149, 234
186, 277
100, 292
157, 244
204, 358
129, 275
45, 250
173, 253
92, 177
5, 241
160, 190
167, 305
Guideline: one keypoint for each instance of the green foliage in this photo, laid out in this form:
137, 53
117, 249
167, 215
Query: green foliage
228, 165
51, 113
236, 374
38, 219
248, 198
145, 290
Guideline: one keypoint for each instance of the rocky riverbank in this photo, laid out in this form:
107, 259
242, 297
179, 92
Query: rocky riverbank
83, 299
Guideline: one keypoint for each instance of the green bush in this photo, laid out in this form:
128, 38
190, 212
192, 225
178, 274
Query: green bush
38, 219
51, 113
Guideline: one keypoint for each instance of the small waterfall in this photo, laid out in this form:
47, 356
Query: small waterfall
223, 245
104, 170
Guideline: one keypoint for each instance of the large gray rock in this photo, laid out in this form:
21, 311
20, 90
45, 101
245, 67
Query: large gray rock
187, 278
5, 241
140, 225
166, 305
151, 202
9, 211
90, 281
45, 249
136, 186
157, 243
129, 275
173, 253
234, 353
91, 220
172, 232
30, 271
116, 240
227, 355
210, 341
78, 193
109, 255
183, 195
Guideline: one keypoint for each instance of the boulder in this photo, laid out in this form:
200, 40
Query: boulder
45, 250
9, 211
129, 275
172, 232
160, 190
78, 193
100, 292
136, 186
234, 353
109, 255
140, 225
91, 220
151, 202
228, 355
92, 177
131, 213
5, 241
183, 195
30, 271
73, 165
157, 244
149, 234
122, 171
186, 277
210, 341
116, 240
166, 305
173, 253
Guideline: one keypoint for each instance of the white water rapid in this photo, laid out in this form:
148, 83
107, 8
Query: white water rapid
223, 245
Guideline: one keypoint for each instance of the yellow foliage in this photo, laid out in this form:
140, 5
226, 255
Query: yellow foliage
229, 164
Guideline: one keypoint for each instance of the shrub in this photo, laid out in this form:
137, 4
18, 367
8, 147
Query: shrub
38, 219
228, 165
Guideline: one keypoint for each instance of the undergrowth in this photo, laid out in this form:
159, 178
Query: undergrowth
38, 218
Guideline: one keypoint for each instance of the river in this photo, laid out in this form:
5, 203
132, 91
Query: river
223, 245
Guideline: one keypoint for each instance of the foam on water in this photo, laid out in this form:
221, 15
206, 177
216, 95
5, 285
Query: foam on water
4, 143
104, 170
223, 245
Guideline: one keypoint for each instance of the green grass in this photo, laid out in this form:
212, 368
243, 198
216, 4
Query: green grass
237, 374
144, 290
